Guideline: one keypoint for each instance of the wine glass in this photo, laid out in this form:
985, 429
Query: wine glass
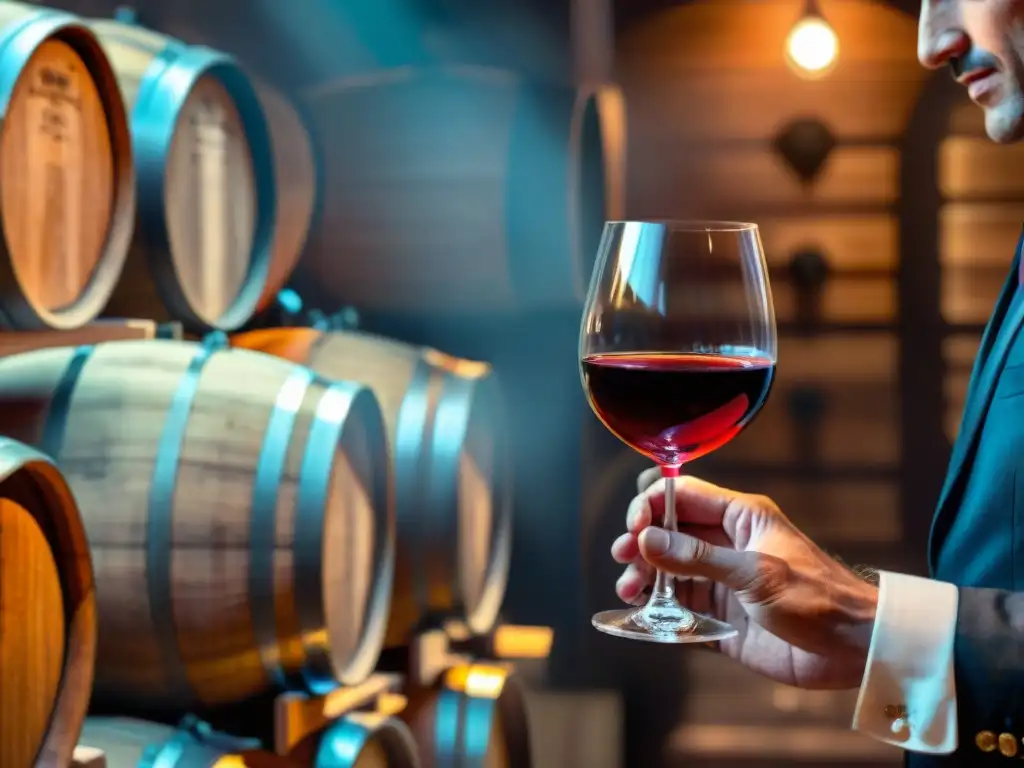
677, 355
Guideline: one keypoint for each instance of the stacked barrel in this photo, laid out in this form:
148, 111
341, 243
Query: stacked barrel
190, 525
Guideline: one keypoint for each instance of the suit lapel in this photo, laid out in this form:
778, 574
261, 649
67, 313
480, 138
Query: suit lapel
995, 344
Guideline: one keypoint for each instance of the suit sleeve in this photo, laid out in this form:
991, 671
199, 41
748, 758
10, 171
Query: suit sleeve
908, 695
989, 660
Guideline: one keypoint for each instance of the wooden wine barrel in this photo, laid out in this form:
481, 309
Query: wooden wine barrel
453, 501
359, 740
238, 509
296, 179
130, 743
476, 716
461, 190
67, 189
205, 181
47, 612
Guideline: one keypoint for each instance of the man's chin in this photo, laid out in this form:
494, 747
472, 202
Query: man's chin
1004, 123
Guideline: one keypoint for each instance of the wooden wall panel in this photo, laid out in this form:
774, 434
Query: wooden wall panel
965, 119
979, 234
976, 167
833, 513
958, 353
849, 241
982, 184
856, 375
841, 512
746, 176
752, 105
714, 69
853, 300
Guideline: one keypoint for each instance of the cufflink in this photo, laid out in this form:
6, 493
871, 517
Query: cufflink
898, 714
986, 741
1008, 744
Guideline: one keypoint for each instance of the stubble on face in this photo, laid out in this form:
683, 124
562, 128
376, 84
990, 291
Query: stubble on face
1003, 35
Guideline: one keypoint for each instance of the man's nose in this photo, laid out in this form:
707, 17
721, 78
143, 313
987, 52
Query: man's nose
940, 36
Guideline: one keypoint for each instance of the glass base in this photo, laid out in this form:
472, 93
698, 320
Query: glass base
662, 622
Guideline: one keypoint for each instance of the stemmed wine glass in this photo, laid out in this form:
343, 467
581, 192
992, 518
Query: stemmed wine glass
677, 354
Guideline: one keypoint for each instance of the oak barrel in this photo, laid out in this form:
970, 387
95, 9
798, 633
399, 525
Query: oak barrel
239, 512
47, 612
453, 503
359, 740
461, 190
296, 180
67, 189
205, 180
476, 716
129, 743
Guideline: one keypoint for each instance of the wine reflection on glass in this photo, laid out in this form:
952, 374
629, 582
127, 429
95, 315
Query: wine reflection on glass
678, 347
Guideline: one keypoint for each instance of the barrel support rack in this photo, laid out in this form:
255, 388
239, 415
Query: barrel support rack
298, 715
430, 655
96, 332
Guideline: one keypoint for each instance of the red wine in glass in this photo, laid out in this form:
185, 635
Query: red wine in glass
677, 355
676, 407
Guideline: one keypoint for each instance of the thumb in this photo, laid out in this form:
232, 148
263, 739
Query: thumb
683, 555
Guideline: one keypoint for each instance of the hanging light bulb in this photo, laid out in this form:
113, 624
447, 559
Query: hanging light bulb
812, 46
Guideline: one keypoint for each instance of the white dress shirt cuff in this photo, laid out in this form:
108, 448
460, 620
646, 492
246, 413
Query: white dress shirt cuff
908, 693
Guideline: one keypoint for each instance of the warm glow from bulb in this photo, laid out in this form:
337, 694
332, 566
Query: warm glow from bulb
812, 46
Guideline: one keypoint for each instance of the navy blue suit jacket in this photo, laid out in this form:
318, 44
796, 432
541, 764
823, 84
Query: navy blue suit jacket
977, 540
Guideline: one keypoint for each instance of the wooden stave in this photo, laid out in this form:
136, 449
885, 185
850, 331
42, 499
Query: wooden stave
318, 672
31, 477
519, 282
454, 712
303, 346
294, 170
130, 743
17, 309
152, 134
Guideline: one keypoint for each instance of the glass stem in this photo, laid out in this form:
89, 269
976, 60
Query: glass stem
665, 583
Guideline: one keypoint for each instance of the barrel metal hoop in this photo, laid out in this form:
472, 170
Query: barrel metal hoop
167, 755
51, 440
321, 673
341, 744
477, 729
447, 439
193, 732
449, 726
163, 91
376, 608
270, 470
160, 523
345, 738
482, 616
412, 471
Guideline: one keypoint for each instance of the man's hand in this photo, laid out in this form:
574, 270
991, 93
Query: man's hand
803, 618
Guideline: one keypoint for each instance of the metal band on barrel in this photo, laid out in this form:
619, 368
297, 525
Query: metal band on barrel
160, 524
412, 472
448, 727
266, 488
311, 504
51, 440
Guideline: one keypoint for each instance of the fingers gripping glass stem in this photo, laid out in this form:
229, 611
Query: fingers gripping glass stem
664, 619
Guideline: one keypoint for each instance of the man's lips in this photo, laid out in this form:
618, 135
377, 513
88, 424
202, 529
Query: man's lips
977, 81
975, 74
